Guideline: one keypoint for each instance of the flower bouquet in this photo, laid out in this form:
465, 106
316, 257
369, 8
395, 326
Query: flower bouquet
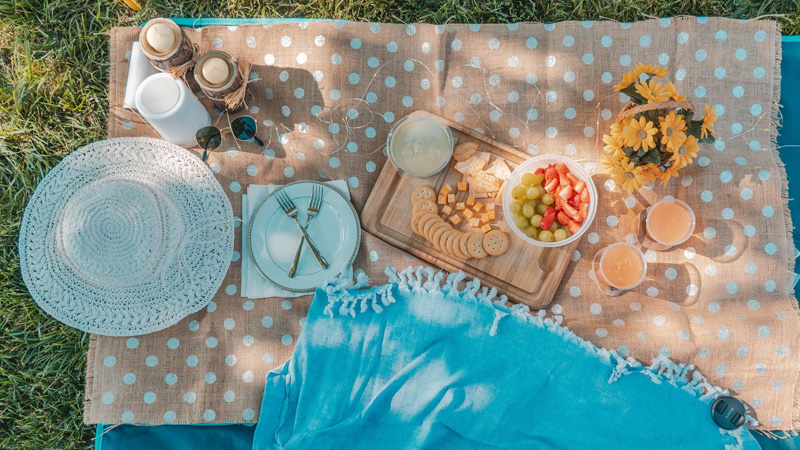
656, 134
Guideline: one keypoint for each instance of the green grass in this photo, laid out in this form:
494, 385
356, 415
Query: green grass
53, 74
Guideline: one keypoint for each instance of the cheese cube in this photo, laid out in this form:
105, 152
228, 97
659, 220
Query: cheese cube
492, 215
485, 218
468, 213
462, 186
447, 209
446, 189
478, 207
451, 198
490, 206
460, 206
470, 200
455, 219
442, 199
475, 222
486, 228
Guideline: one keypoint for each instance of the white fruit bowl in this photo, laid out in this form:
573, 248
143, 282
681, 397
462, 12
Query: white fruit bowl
541, 162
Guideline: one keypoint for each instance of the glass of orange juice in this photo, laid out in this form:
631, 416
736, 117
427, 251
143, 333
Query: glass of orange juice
664, 225
618, 268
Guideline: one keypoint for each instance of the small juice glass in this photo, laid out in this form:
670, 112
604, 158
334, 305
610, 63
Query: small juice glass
618, 268
664, 225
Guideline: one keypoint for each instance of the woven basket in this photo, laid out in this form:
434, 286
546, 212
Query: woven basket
631, 109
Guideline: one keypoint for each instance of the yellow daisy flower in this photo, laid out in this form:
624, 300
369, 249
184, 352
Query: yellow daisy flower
616, 132
613, 147
672, 129
652, 92
686, 152
626, 175
708, 121
652, 172
627, 80
671, 171
673, 94
652, 70
639, 134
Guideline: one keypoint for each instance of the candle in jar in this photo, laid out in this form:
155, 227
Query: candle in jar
420, 146
621, 266
161, 38
215, 71
670, 222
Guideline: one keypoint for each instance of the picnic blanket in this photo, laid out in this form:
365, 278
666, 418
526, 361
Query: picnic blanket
428, 362
327, 94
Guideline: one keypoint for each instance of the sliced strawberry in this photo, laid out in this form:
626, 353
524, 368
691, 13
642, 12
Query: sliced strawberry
551, 186
550, 173
584, 210
565, 192
563, 181
558, 203
546, 223
577, 217
539, 171
570, 210
575, 201
572, 179
585, 196
549, 210
573, 227
579, 186
562, 169
562, 218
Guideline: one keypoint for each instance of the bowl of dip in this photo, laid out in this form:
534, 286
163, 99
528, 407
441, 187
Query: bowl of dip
419, 145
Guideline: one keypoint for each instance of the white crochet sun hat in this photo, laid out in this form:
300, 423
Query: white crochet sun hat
125, 237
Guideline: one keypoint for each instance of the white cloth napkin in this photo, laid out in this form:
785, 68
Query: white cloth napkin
139, 69
253, 284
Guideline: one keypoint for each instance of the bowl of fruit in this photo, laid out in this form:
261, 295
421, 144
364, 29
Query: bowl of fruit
549, 201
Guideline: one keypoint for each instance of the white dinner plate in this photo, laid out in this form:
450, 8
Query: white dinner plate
274, 237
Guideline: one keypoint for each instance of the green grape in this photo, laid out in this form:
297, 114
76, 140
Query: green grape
521, 222
546, 236
515, 207
541, 208
527, 210
528, 179
554, 226
518, 193
536, 220
560, 234
531, 232
548, 199
532, 192
537, 179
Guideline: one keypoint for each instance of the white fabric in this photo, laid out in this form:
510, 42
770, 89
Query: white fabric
139, 69
126, 236
253, 284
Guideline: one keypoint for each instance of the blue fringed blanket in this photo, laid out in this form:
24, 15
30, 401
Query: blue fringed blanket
418, 363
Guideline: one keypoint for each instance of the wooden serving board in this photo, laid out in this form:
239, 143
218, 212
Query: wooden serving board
526, 273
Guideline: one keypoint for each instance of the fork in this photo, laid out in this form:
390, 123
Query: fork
314, 204
290, 209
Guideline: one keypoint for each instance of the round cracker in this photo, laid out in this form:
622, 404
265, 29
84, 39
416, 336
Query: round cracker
496, 242
451, 244
426, 228
462, 246
426, 206
443, 240
421, 193
423, 219
475, 246
417, 219
438, 234
432, 230
464, 151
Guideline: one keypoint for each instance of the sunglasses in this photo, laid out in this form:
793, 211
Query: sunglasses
210, 138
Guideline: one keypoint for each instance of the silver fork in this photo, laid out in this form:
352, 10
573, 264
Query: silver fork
314, 204
291, 210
